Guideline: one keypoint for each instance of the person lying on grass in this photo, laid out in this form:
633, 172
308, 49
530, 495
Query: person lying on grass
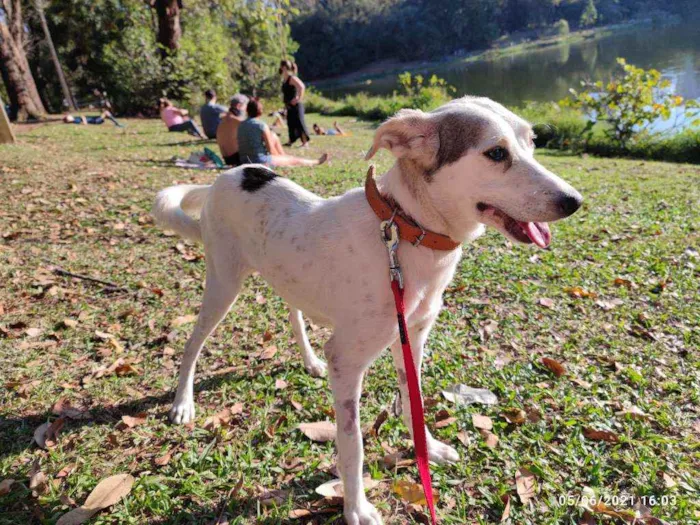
70, 119
258, 145
227, 132
335, 130
177, 119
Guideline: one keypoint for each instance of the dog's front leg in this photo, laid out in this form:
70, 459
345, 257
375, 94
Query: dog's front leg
346, 374
418, 334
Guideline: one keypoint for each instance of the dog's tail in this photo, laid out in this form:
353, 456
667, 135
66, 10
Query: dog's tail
178, 208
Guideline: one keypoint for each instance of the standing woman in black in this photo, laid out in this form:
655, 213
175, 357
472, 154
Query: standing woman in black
293, 93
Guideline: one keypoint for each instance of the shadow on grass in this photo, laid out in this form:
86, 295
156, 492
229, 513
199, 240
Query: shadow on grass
16, 433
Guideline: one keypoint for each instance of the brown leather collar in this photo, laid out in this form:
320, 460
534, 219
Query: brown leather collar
408, 229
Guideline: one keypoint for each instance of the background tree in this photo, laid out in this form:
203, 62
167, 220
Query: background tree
17, 75
590, 15
169, 30
39, 6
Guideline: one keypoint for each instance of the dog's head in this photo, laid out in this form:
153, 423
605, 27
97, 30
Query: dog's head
473, 161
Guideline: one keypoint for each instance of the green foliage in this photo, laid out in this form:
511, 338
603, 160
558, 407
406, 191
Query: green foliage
111, 45
628, 103
562, 27
207, 58
415, 93
264, 38
589, 16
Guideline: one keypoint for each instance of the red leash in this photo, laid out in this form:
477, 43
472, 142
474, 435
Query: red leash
390, 236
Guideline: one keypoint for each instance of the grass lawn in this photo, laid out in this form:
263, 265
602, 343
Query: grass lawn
614, 300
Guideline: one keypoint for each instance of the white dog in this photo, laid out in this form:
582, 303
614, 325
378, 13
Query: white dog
465, 165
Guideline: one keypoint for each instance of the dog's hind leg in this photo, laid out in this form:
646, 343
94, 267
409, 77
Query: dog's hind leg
312, 363
438, 452
219, 294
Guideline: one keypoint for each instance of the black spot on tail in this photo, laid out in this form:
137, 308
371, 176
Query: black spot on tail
255, 178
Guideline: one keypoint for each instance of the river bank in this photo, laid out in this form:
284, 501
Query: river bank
510, 45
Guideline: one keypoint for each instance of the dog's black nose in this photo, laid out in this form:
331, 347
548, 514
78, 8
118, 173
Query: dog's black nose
570, 203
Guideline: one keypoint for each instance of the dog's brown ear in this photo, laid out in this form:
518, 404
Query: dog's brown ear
408, 134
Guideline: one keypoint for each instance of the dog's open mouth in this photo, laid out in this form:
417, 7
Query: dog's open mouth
525, 232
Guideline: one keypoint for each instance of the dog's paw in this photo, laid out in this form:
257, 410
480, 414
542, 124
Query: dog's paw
363, 514
182, 413
439, 452
316, 368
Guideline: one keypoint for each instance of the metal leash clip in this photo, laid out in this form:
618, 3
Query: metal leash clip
390, 237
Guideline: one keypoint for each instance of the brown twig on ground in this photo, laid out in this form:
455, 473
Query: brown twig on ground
113, 287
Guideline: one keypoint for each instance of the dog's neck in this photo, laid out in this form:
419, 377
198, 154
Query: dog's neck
402, 185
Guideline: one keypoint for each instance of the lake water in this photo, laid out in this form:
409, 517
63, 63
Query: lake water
547, 74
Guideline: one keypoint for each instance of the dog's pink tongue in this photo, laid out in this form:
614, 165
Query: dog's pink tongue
538, 232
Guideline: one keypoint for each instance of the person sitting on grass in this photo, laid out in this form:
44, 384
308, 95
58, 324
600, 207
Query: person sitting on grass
227, 132
258, 145
70, 119
211, 114
335, 130
176, 119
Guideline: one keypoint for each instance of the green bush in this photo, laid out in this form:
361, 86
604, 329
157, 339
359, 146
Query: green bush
562, 27
415, 93
628, 104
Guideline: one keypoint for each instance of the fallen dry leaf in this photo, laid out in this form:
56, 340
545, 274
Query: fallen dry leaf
602, 508
183, 320
133, 421
280, 384
577, 291
483, 422
525, 485
600, 435
619, 281
274, 497
70, 323
554, 366
515, 416
464, 438
669, 482
633, 412
467, 395
443, 419
320, 431
64, 408
546, 302
409, 492
490, 439
38, 482
163, 460
506, 511
65, 471
381, 419
609, 305
46, 434
397, 459
107, 492
299, 513
334, 487
223, 417
32, 332
268, 353
6, 486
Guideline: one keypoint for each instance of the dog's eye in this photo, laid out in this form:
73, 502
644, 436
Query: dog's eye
497, 154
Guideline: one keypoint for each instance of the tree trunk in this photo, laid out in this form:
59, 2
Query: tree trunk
39, 5
20, 84
169, 30
6, 135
